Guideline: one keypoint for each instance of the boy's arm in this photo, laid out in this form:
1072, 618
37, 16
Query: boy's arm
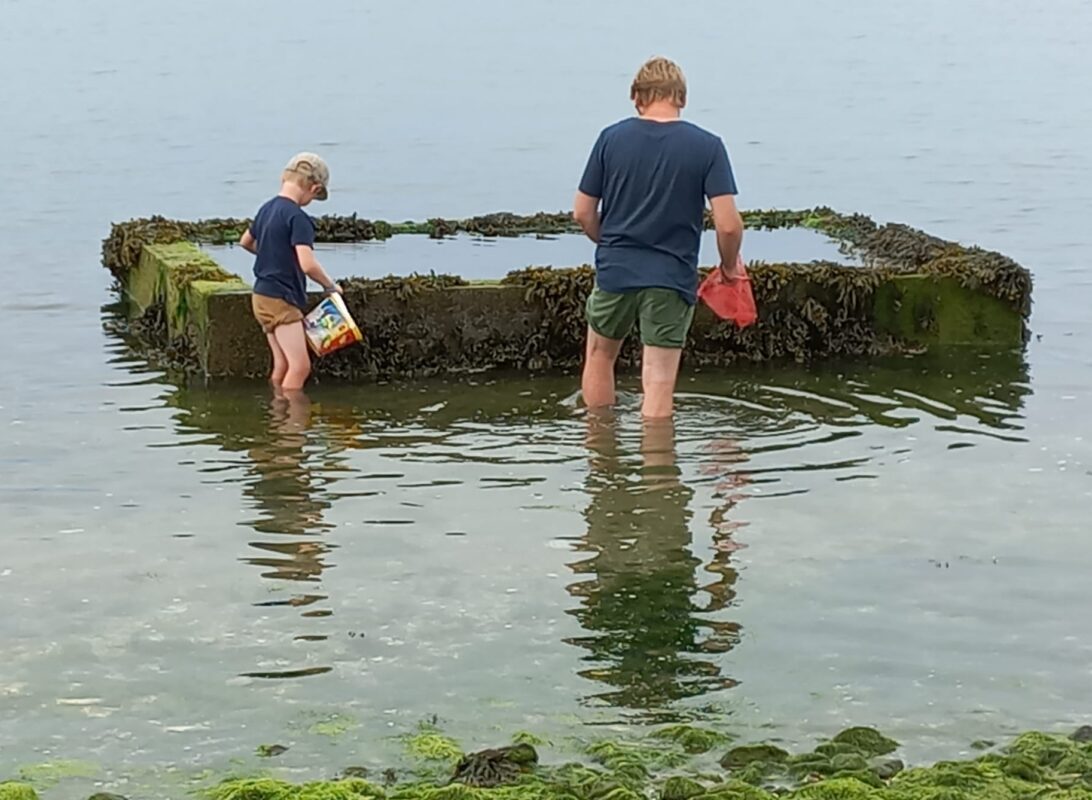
248, 242
313, 269
302, 233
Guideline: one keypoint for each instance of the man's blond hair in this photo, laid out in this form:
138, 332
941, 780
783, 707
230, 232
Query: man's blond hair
659, 79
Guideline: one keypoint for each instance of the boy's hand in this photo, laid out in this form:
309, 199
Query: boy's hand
334, 288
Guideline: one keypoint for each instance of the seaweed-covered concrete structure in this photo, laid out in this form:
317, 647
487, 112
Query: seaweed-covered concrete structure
910, 292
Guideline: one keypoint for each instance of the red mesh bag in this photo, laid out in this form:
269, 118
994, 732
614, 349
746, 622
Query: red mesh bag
730, 298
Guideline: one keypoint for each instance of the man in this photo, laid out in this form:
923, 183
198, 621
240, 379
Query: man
652, 173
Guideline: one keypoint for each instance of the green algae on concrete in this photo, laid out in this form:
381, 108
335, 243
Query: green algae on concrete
914, 291
181, 280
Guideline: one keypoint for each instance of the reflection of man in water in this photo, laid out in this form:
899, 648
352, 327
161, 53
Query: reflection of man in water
285, 493
645, 634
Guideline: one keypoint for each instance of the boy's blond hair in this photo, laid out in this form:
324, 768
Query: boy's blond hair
297, 178
659, 79
306, 170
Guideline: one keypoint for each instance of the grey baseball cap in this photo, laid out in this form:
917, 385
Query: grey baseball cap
314, 167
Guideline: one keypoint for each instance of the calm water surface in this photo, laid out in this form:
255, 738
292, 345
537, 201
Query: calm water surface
188, 571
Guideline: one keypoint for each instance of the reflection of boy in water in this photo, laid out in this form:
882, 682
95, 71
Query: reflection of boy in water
284, 491
638, 606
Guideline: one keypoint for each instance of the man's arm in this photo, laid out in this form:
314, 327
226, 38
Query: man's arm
248, 242
586, 214
586, 204
729, 227
313, 269
720, 188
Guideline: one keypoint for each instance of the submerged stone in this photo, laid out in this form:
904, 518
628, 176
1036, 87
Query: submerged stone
270, 750
679, 788
525, 737
52, 772
887, 770
106, 796
849, 762
1042, 749
332, 726
737, 790
832, 749
433, 746
691, 739
865, 776
754, 773
270, 789
836, 789
868, 741
806, 764
495, 767
1024, 768
1082, 734
635, 761
751, 753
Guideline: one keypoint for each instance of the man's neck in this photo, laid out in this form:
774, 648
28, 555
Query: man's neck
660, 111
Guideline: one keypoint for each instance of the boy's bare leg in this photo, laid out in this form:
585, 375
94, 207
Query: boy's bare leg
280, 361
597, 384
659, 371
293, 343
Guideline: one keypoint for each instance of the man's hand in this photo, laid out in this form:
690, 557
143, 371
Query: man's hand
334, 288
729, 227
733, 272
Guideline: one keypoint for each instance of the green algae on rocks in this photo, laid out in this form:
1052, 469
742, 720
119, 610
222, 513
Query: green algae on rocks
1036, 766
10, 790
50, 773
429, 744
692, 740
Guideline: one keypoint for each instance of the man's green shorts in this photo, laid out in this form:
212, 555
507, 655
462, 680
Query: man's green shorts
663, 315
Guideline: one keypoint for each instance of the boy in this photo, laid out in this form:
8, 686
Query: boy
641, 200
282, 237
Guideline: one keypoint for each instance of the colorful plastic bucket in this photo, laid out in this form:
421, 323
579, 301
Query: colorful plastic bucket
330, 327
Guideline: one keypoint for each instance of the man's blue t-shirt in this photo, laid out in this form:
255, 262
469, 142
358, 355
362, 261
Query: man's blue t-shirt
278, 227
653, 178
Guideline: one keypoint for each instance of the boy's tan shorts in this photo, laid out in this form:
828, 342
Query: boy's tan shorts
272, 312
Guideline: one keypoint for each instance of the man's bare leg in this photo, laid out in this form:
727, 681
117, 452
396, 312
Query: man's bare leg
597, 384
659, 372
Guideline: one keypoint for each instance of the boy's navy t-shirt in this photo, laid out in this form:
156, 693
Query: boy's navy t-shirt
278, 227
653, 178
